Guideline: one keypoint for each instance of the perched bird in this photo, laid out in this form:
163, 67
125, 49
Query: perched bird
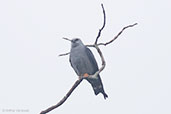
83, 62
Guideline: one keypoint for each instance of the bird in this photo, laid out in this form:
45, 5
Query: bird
84, 64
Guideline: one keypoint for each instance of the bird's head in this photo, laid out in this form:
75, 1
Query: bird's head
75, 42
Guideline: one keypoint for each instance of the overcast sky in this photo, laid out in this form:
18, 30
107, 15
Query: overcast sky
137, 77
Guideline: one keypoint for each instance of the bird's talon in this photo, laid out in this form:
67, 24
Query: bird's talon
85, 75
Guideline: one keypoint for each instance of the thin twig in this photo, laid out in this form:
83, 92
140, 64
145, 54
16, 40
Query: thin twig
104, 23
64, 98
66, 39
117, 35
64, 54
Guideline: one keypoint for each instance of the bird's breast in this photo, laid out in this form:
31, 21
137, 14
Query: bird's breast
80, 61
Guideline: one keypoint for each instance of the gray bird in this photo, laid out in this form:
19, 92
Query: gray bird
83, 62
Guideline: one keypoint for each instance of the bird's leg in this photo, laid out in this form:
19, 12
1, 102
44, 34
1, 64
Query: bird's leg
86, 75
94, 76
83, 76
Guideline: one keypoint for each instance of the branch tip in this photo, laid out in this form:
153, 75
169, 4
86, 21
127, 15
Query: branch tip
64, 54
104, 23
105, 44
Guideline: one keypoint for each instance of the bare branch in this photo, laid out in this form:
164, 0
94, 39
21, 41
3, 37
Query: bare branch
95, 45
64, 98
90, 45
66, 39
104, 23
117, 35
103, 62
64, 54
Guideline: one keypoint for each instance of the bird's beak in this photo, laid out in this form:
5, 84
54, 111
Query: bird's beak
67, 39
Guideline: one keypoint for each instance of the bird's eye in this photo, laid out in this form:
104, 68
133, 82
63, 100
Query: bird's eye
76, 40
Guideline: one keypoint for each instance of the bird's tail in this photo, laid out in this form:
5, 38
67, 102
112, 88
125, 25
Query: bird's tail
99, 90
97, 86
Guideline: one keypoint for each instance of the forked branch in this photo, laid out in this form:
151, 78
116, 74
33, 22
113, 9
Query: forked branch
98, 44
104, 23
117, 35
95, 45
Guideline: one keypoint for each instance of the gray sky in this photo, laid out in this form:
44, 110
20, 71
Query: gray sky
137, 76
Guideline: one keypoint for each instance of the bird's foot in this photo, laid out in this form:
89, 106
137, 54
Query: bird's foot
85, 75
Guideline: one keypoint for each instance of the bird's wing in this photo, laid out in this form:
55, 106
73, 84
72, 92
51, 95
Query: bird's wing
96, 84
70, 61
74, 66
92, 59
